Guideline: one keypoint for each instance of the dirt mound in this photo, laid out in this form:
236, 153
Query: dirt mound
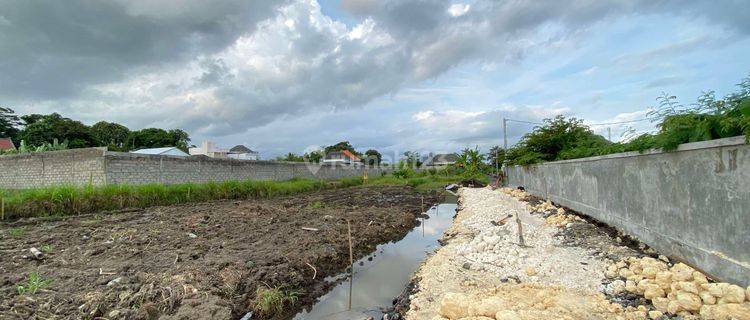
193, 261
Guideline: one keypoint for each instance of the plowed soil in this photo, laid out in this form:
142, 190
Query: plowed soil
195, 261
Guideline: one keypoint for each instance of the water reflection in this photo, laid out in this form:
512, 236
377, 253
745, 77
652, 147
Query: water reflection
383, 274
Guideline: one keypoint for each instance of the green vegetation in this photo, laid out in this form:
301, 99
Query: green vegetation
270, 301
71, 200
33, 284
709, 118
316, 205
47, 248
41, 132
17, 232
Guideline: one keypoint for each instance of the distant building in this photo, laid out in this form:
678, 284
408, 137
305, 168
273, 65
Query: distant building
208, 148
344, 156
7, 144
166, 151
241, 152
440, 160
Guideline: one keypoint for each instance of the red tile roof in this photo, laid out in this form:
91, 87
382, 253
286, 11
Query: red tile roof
7, 144
350, 155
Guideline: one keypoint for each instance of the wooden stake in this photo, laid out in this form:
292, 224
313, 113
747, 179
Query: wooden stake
2, 208
351, 263
520, 230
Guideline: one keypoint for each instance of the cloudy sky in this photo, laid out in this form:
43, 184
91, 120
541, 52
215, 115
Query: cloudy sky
394, 75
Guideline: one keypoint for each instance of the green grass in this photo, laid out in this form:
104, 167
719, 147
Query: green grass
69, 200
33, 284
270, 301
17, 232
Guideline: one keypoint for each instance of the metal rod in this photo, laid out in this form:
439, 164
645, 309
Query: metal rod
351, 263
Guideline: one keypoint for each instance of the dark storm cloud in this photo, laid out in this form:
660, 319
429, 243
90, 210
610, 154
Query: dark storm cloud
53, 49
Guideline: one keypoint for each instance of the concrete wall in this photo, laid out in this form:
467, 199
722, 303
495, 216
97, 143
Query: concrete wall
98, 167
128, 168
692, 204
76, 167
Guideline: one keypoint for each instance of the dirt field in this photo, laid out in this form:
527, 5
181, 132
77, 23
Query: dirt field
194, 261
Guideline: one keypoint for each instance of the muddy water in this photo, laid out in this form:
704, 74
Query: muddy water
382, 275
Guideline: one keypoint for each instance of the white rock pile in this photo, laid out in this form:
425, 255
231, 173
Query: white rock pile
679, 289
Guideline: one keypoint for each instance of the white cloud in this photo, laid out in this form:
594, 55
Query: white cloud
458, 9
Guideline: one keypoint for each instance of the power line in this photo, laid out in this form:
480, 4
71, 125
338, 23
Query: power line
588, 124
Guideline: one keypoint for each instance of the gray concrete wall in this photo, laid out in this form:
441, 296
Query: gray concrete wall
128, 168
692, 204
97, 166
73, 167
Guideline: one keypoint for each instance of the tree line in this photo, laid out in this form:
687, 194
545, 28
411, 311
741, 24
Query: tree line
35, 130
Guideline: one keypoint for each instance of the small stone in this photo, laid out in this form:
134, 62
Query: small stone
707, 297
114, 314
114, 281
734, 294
192, 235
249, 264
466, 266
682, 272
660, 304
507, 315
615, 287
663, 258
85, 237
36, 253
688, 301
530, 271
674, 307
655, 314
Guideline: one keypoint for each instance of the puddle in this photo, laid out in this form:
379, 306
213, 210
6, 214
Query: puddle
382, 275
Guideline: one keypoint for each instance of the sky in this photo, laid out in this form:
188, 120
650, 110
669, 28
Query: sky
423, 75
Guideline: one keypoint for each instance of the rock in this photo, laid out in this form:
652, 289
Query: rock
454, 306
114, 281
249, 264
714, 289
688, 301
650, 272
487, 307
36, 253
699, 278
660, 304
507, 315
530, 271
747, 293
466, 266
655, 314
615, 287
733, 294
674, 307
707, 297
663, 279
682, 272
114, 314
726, 311
689, 287
653, 291
192, 235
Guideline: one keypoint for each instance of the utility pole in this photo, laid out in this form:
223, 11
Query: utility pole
505, 134
609, 133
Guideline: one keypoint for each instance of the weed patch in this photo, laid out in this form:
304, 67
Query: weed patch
34, 283
270, 301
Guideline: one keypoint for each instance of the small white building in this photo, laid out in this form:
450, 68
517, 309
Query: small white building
208, 148
166, 151
241, 152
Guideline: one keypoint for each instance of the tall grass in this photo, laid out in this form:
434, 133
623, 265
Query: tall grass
71, 200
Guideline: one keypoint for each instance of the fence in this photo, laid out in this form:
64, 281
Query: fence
692, 204
97, 166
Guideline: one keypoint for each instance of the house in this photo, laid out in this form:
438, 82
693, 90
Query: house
344, 156
241, 152
7, 144
440, 160
208, 148
166, 151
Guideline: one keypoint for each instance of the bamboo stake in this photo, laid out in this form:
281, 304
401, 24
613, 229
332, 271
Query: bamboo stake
351, 263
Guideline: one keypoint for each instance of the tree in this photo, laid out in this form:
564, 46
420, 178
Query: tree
373, 157
41, 129
180, 139
496, 157
343, 145
412, 159
291, 157
110, 134
157, 138
314, 156
9, 123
